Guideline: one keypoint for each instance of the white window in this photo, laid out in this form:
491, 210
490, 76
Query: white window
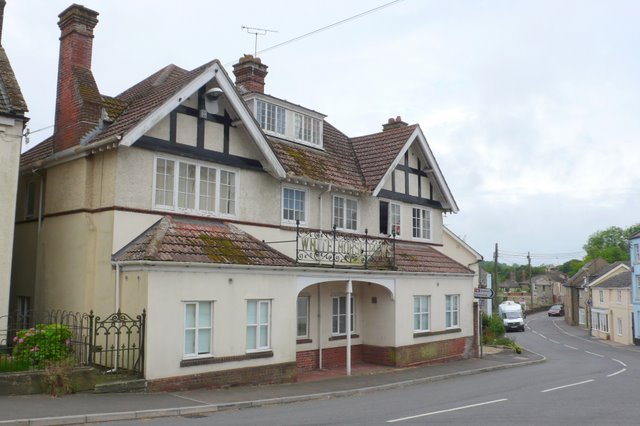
601, 296
345, 213
637, 287
24, 312
619, 327
599, 321
294, 205
271, 117
164, 182
619, 296
186, 186
200, 188
303, 316
307, 129
227, 192
636, 251
339, 315
421, 223
451, 310
421, 313
390, 214
258, 325
582, 317
197, 329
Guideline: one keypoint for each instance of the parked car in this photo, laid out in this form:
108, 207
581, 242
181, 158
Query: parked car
556, 311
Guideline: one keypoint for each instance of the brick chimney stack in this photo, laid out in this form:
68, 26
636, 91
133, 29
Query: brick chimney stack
393, 124
250, 74
78, 102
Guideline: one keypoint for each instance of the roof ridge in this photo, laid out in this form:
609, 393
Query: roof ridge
158, 237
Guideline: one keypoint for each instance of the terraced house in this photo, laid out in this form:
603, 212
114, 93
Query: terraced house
259, 238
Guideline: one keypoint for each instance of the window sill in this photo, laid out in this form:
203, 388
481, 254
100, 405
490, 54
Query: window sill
218, 360
436, 333
303, 341
343, 337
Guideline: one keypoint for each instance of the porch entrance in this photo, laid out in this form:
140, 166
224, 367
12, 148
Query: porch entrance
343, 325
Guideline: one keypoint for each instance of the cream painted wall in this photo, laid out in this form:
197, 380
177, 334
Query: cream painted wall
461, 254
74, 269
10, 138
134, 178
165, 332
214, 136
239, 144
186, 130
128, 225
160, 130
59, 179
437, 288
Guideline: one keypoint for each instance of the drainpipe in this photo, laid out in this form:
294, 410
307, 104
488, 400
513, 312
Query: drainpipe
319, 331
117, 309
348, 326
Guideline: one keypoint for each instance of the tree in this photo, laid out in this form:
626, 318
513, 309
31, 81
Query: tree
611, 244
572, 266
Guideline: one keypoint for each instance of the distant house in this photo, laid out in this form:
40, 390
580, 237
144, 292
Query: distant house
259, 239
12, 122
635, 284
610, 296
547, 288
575, 299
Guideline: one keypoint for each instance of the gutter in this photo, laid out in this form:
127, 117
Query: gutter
74, 153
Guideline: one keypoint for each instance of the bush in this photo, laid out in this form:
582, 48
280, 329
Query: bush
42, 344
492, 327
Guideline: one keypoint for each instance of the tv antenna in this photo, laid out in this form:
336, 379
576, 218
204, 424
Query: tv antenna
257, 32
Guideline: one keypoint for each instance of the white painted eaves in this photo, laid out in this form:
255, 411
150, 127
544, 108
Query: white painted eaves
449, 201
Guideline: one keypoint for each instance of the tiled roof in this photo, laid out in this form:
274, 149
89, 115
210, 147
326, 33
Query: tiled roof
200, 241
621, 280
419, 257
510, 283
335, 164
377, 151
39, 152
11, 99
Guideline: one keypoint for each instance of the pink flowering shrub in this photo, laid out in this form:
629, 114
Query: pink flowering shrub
42, 344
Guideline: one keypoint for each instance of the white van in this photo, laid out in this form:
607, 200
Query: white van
512, 315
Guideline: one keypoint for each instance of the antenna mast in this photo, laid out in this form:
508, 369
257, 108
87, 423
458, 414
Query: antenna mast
257, 32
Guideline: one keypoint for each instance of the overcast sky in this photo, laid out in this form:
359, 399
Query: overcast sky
532, 108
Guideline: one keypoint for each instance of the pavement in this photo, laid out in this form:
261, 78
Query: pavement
89, 407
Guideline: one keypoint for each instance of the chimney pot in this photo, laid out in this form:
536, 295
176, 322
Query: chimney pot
393, 123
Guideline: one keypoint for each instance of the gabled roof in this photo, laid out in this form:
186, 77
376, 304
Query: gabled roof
620, 280
200, 241
11, 100
608, 271
388, 149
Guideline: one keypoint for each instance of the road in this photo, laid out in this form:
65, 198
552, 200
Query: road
583, 382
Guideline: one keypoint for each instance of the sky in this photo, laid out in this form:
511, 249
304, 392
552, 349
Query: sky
531, 108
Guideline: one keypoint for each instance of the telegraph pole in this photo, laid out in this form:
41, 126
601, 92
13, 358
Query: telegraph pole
495, 279
530, 282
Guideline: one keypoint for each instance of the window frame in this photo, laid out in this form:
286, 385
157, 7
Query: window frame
302, 124
306, 317
342, 226
451, 313
619, 295
305, 211
339, 315
279, 117
257, 325
197, 330
601, 295
424, 216
30, 199
422, 311
619, 326
199, 185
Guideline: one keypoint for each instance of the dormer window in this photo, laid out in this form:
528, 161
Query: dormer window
271, 117
286, 120
307, 129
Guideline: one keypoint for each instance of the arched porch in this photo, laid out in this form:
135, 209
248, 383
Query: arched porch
344, 321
